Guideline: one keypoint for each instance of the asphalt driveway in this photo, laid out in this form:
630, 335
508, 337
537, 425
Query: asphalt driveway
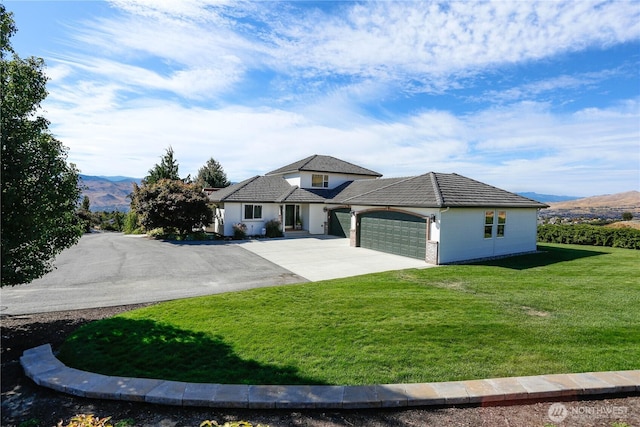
109, 269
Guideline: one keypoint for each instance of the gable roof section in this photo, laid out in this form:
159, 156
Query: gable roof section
431, 190
326, 164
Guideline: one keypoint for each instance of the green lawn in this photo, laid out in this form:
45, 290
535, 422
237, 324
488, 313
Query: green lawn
569, 309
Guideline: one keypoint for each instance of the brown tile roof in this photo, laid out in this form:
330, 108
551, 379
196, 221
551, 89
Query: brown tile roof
318, 163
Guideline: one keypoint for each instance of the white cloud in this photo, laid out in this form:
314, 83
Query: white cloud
174, 73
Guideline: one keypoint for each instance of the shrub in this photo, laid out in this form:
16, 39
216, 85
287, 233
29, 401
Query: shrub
131, 225
83, 420
240, 231
627, 238
273, 228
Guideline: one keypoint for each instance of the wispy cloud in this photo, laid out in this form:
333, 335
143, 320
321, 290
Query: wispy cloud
260, 84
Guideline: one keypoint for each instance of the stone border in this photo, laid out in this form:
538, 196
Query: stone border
46, 370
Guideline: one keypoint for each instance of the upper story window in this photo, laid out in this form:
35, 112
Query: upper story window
252, 211
321, 181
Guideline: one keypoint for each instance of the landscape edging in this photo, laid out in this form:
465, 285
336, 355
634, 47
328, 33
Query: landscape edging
40, 364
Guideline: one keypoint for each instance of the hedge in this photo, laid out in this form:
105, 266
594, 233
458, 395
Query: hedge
581, 234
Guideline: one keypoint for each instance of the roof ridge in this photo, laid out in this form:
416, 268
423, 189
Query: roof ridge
308, 160
436, 188
381, 188
287, 193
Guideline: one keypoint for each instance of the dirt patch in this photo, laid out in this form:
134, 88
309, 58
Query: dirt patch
24, 404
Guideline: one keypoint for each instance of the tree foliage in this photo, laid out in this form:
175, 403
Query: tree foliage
39, 188
166, 169
212, 175
171, 204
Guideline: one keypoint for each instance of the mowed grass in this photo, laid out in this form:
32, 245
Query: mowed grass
568, 309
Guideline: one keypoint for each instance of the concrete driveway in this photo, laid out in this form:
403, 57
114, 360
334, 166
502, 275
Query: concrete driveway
327, 257
108, 269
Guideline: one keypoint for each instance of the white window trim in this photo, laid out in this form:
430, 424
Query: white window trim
253, 212
325, 180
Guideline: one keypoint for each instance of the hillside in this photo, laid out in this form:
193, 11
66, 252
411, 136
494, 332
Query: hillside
106, 193
610, 205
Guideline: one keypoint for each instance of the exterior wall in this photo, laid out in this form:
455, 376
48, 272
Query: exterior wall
316, 219
233, 214
293, 179
462, 234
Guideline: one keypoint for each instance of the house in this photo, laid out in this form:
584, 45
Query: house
439, 217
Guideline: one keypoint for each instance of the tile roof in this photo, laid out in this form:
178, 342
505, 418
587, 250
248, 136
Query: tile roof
434, 190
319, 163
430, 190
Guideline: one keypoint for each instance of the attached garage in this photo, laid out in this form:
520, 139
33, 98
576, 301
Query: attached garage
340, 222
393, 232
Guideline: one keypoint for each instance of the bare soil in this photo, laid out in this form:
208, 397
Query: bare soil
25, 404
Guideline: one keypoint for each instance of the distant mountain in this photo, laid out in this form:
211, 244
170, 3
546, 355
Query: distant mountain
606, 206
628, 200
108, 193
547, 198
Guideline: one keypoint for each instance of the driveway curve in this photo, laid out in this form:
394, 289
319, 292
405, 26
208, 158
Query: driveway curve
109, 269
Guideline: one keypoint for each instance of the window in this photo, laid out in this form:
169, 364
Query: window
318, 180
252, 211
488, 224
502, 221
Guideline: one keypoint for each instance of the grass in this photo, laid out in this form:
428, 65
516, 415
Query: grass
568, 309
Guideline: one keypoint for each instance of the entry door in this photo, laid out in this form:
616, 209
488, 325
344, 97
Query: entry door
291, 213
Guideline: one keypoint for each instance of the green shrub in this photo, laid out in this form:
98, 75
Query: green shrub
239, 231
581, 234
273, 228
131, 224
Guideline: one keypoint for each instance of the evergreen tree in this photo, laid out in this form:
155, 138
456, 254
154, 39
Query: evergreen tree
166, 169
212, 175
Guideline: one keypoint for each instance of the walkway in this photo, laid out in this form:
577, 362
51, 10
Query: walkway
45, 370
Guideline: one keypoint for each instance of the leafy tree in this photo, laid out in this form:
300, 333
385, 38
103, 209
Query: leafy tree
627, 216
39, 188
212, 175
171, 204
166, 169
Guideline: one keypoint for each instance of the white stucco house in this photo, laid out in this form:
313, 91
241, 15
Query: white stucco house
439, 217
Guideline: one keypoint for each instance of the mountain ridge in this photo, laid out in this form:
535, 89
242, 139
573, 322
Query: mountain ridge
108, 193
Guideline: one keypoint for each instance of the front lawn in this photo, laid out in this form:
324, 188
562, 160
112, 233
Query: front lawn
569, 309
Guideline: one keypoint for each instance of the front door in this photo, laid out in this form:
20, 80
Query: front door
291, 216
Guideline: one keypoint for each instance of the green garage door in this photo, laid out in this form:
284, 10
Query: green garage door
340, 222
394, 232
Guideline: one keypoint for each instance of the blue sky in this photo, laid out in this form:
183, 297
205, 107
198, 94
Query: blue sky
524, 95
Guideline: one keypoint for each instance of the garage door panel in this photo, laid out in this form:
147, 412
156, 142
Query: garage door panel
394, 232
